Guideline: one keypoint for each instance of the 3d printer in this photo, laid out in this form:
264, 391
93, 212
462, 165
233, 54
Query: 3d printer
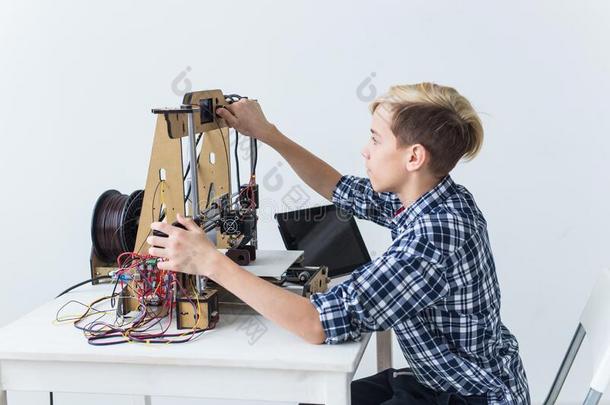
189, 173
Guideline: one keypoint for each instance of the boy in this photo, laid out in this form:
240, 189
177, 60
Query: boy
435, 286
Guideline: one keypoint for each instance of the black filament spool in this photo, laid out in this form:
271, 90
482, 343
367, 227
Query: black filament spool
114, 224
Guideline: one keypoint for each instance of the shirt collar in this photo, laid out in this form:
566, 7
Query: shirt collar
425, 203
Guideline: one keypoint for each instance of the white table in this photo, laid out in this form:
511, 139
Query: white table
246, 357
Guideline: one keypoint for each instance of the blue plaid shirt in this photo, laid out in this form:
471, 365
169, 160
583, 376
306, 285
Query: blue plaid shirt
435, 286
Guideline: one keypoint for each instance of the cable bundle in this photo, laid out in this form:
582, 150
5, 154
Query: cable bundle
155, 290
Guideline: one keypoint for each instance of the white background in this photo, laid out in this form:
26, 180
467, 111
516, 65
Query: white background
78, 80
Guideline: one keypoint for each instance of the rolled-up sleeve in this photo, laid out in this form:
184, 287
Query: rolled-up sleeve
382, 293
340, 322
356, 196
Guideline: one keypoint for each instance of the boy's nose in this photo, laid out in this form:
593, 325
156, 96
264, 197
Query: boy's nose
365, 153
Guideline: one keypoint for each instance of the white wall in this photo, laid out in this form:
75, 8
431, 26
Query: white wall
78, 80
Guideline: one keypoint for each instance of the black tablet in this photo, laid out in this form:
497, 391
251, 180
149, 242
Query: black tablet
328, 235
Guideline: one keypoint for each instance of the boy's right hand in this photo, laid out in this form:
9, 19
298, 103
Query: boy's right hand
247, 117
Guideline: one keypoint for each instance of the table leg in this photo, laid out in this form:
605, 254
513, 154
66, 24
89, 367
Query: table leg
3, 400
384, 350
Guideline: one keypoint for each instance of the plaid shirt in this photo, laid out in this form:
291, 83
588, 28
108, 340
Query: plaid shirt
436, 286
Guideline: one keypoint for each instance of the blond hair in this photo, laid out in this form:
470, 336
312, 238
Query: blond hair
437, 117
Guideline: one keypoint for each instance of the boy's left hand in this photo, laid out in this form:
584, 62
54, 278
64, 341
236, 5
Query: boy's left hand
186, 251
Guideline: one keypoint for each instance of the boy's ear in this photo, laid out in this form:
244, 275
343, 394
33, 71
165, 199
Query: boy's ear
416, 156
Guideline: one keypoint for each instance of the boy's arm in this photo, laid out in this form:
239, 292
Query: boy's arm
353, 194
287, 309
247, 117
378, 295
395, 286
